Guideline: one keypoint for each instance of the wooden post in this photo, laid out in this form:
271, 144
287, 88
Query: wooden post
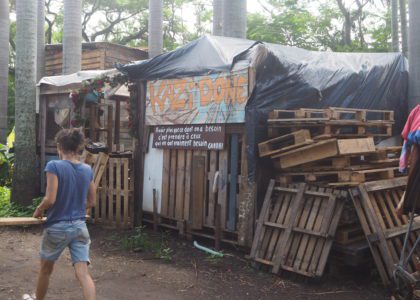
109, 127
233, 181
117, 122
217, 226
155, 214
139, 153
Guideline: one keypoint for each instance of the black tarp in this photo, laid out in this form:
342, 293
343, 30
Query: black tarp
288, 77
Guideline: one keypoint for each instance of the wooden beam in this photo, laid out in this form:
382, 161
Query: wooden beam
234, 156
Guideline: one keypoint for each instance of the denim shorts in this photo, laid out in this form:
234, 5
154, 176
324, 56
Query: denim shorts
72, 234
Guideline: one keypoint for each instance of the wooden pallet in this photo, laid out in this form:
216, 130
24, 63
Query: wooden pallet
334, 113
324, 129
295, 229
343, 163
114, 205
324, 149
285, 143
376, 203
335, 178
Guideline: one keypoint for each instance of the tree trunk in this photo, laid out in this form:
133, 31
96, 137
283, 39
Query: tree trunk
40, 45
403, 17
155, 27
25, 174
414, 53
72, 36
4, 66
394, 26
234, 18
217, 17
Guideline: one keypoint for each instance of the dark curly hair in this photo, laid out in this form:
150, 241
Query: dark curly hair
70, 140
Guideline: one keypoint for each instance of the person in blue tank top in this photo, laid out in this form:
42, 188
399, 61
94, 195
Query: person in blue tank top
70, 190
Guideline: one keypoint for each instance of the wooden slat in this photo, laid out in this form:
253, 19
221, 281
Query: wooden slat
180, 185
118, 193
126, 189
197, 191
103, 192
111, 188
234, 156
188, 181
172, 184
17, 221
223, 184
260, 222
212, 196
164, 210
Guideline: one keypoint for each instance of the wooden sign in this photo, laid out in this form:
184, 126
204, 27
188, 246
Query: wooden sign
209, 99
197, 137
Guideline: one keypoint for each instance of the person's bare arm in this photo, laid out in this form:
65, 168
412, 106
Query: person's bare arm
50, 195
91, 198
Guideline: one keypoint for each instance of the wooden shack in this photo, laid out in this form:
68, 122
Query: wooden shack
95, 56
195, 166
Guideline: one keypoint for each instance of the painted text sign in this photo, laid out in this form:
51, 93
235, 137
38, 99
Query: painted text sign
197, 137
210, 99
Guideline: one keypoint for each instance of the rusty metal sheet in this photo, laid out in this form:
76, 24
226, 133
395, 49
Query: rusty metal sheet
197, 137
210, 99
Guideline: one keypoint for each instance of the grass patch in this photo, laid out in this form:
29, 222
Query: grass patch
141, 241
10, 209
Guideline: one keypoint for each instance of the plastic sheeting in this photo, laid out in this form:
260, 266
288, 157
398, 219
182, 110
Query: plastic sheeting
287, 78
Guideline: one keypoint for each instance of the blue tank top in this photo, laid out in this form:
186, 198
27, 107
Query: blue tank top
73, 185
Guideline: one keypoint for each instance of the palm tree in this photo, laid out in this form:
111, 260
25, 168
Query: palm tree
155, 27
4, 66
403, 16
217, 17
72, 36
234, 18
394, 25
25, 174
40, 43
413, 53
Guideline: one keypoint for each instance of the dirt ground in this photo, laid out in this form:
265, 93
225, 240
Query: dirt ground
121, 274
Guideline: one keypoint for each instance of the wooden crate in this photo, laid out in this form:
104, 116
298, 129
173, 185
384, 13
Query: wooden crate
114, 206
296, 227
376, 203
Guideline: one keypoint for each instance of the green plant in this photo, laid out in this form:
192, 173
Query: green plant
213, 259
7, 160
10, 209
140, 240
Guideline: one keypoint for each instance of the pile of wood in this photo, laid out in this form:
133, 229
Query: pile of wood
321, 156
331, 147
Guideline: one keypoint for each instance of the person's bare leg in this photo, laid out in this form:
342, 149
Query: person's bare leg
83, 275
44, 278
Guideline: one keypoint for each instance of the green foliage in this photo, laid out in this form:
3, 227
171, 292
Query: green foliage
141, 241
6, 166
214, 259
319, 25
9, 209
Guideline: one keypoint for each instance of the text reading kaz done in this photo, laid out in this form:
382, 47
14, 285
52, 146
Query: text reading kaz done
189, 93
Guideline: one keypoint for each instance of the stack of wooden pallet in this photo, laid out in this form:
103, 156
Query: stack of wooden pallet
332, 147
333, 150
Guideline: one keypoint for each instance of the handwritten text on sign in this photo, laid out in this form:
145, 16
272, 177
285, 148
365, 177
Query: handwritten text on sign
209, 99
199, 137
